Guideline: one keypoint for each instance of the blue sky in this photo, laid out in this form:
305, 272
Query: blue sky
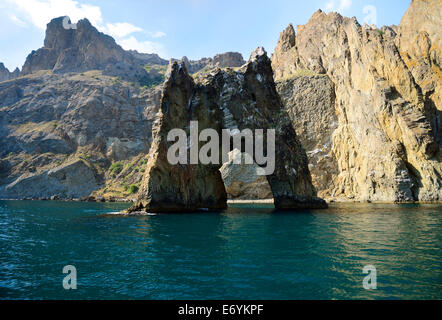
174, 28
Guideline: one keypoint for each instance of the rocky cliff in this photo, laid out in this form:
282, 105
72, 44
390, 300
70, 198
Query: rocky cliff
369, 102
223, 99
309, 100
85, 48
81, 117
5, 74
419, 44
81, 108
242, 181
49, 121
223, 60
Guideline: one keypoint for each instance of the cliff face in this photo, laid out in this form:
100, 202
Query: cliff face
87, 119
78, 119
222, 60
5, 74
77, 122
82, 116
50, 121
310, 100
83, 49
228, 99
420, 47
243, 182
383, 123
177, 187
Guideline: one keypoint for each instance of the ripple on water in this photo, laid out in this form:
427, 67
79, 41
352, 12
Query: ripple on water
241, 253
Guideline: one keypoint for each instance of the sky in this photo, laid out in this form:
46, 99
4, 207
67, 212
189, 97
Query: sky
177, 28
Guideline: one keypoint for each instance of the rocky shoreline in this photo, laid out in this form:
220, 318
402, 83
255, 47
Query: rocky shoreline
229, 201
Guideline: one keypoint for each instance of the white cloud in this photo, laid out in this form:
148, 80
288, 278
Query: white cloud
39, 12
132, 43
121, 29
18, 21
338, 5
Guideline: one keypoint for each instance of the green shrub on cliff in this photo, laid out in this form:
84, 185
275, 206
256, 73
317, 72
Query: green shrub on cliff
116, 168
133, 188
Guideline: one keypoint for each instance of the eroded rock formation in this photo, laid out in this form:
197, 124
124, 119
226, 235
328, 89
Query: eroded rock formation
79, 100
222, 60
5, 74
365, 102
83, 49
419, 44
384, 144
174, 188
48, 121
310, 103
242, 181
228, 99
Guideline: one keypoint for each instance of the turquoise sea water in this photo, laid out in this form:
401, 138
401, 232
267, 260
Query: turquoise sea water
243, 253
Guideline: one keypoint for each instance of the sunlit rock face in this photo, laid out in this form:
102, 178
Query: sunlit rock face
311, 100
223, 99
242, 181
383, 121
85, 48
420, 47
73, 180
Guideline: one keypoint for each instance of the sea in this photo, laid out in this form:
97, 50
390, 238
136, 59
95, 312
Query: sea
249, 251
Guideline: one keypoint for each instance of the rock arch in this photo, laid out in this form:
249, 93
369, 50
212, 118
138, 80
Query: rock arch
223, 99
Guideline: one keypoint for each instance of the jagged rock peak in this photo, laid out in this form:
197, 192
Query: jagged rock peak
176, 69
5, 74
244, 98
287, 38
75, 50
320, 16
58, 37
84, 48
378, 100
258, 54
